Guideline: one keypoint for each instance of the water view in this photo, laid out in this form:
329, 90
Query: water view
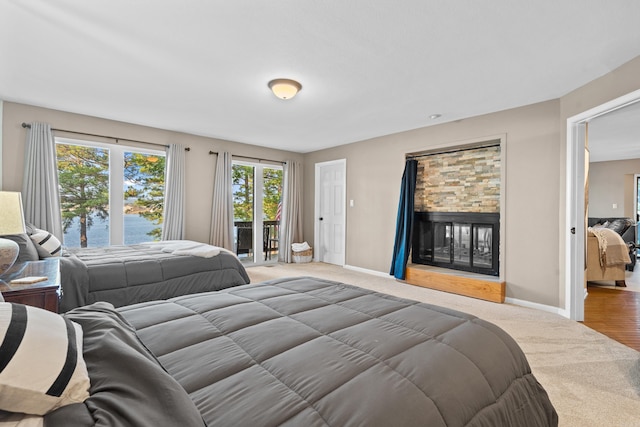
135, 231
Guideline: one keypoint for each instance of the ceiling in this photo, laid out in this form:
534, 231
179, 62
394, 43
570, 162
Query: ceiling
615, 135
367, 67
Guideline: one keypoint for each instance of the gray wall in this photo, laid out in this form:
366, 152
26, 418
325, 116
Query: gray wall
612, 183
613, 84
374, 171
200, 165
535, 183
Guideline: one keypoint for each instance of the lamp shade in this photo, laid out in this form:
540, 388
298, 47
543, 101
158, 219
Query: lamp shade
11, 213
11, 222
284, 88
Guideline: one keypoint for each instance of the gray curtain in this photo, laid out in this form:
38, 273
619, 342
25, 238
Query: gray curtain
174, 197
291, 223
222, 208
40, 193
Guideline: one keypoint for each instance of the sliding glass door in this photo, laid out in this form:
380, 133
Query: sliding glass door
257, 193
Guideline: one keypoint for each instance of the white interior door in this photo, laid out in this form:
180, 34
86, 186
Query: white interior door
330, 212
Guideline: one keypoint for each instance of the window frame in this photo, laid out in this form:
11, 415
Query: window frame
116, 180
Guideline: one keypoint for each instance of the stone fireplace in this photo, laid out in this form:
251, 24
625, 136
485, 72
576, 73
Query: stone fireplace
457, 209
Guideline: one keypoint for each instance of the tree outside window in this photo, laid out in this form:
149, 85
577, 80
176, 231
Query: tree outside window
144, 188
243, 192
83, 174
87, 184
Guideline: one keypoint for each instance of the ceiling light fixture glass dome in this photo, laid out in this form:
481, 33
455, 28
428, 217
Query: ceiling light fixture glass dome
284, 88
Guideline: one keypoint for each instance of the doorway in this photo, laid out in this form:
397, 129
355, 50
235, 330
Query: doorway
330, 213
575, 229
257, 196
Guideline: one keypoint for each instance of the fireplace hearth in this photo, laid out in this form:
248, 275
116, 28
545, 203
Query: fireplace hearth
457, 240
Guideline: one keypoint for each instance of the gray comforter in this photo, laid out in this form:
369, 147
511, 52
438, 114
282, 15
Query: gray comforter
124, 275
309, 352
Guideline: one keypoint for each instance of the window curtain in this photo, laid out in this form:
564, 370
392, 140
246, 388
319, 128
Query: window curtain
174, 197
404, 223
222, 208
40, 193
291, 223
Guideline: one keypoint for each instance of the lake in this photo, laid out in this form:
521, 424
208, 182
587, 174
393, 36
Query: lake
135, 231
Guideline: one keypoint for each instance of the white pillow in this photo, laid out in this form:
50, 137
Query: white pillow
41, 363
47, 244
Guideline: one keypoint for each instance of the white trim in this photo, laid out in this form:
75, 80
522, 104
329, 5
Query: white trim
514, 301
635, 202
116, 190
536, 306
502, 254
574, 217
109, 146
367, 271
316, 207
1, 128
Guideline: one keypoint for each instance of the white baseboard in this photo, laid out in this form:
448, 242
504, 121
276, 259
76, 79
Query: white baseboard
367, 271
543, 307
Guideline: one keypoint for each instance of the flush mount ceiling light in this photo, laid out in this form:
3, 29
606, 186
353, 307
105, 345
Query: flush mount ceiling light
284, 88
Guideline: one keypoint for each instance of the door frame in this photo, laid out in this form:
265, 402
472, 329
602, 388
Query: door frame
258, 223
636, 201
316, 208
575, 291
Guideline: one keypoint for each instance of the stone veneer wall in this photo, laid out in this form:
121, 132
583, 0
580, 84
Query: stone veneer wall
461, 181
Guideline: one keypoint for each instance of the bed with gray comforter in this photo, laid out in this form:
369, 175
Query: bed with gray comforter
129, 274
300, 352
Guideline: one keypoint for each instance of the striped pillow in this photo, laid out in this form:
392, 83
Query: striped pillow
41, 363
47, 244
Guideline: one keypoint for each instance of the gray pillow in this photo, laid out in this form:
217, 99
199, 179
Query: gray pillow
28, 251
620, 225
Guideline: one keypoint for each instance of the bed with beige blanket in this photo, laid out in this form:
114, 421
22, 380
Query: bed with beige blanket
607, 255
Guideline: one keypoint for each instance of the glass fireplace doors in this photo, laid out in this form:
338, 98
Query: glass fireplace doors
461, 241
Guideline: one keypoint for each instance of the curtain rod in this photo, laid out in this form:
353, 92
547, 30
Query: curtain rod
26, 125
252, 158
452, 150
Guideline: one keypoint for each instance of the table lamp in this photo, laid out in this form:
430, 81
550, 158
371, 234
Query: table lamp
11, 222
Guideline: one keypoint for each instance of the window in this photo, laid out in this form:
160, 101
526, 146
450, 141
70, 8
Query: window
109, 194
256, 188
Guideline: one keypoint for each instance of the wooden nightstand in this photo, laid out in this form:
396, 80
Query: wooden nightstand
43, 294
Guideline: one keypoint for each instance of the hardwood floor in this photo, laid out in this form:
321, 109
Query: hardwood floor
614, 313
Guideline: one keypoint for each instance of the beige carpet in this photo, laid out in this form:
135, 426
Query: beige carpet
591, 379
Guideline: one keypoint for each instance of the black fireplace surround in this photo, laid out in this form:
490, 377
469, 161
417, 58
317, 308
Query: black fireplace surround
457, 240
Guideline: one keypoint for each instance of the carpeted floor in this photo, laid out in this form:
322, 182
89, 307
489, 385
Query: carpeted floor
591, 379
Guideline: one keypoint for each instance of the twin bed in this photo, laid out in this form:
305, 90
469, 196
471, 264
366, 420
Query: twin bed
124, 275
296, 352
